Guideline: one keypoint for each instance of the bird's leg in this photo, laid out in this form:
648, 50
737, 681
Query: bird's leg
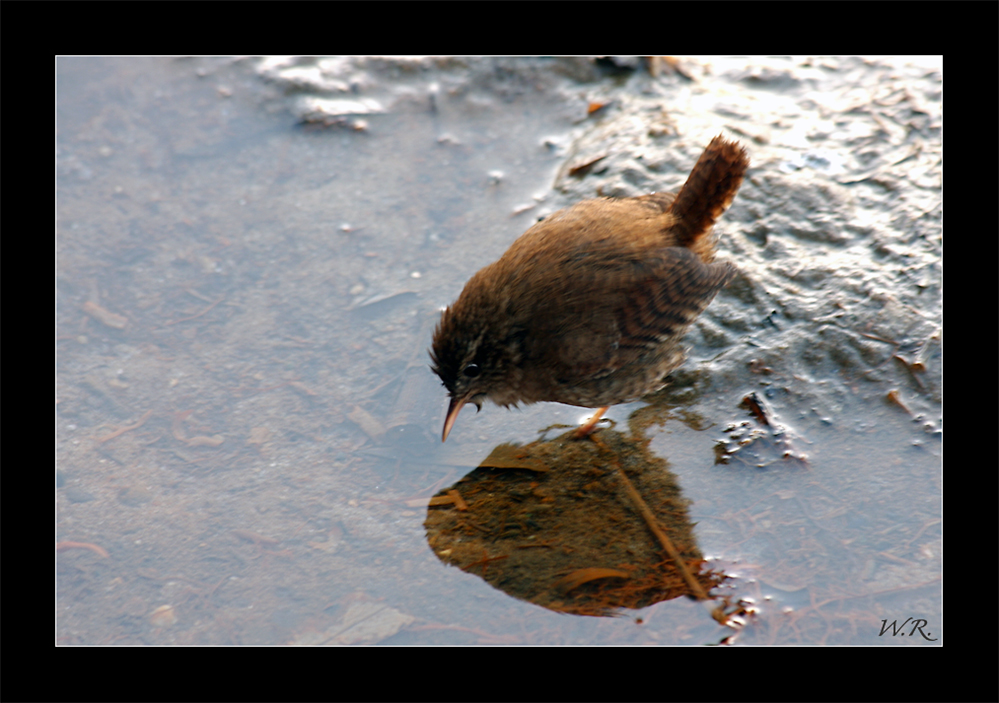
587, 427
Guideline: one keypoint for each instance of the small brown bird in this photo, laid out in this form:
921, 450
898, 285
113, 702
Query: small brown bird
589, 306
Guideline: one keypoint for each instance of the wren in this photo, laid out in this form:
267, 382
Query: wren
590, 305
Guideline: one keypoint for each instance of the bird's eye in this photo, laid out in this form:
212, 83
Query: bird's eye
471, 371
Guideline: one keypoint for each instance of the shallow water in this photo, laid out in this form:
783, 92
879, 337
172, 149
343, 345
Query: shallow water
256, 281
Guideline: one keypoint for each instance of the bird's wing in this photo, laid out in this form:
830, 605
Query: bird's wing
644, 305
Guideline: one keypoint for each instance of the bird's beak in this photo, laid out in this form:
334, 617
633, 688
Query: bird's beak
452, 414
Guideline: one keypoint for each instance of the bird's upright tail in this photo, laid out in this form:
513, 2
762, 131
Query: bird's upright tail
707, 193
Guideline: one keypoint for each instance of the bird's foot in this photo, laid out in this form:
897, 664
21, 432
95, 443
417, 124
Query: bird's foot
590, 425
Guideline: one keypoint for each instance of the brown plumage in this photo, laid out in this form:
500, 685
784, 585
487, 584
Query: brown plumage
589, 306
